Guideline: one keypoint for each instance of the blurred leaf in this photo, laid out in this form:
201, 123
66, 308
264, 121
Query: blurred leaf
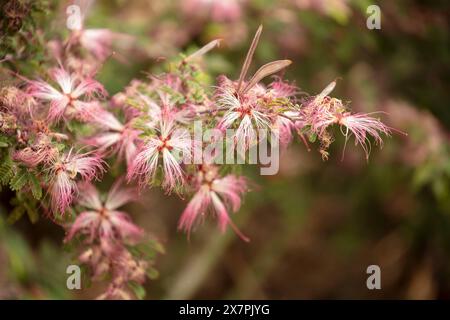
138, 290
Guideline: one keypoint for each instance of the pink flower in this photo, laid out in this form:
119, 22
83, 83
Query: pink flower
96, 41
41, 151
63, 172
165, 111
121, 265
229, 10
219, 195
125, 268
102, 221
362, 126
121, 138
282, 89
16, 103
168, 140
169, 143
97, 259
243, 111
282, 129
67, 97
99, 42
320, 112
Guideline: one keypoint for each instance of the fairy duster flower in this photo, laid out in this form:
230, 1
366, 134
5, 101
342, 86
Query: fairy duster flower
63, 172
320, 112
67, 99
215, 194
102, 220
120, 139
169, 146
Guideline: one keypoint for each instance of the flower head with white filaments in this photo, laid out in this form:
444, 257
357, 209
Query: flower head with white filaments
246, 104
115, 138
215, 194
97, 41
149, 124
108, 232
66, 101
320, 112
162, 147
102, 220
63, 172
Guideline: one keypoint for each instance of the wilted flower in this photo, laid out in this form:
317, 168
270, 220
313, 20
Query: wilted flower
97, 259
16, 103
41, 151
362, 126
320, 112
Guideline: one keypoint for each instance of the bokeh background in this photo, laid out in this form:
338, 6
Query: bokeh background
316, 226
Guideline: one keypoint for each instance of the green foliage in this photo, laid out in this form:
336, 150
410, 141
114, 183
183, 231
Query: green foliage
24, 177
137, 289
42, 268
4, 141
24, 203
147, 250
35, 185
19, 39
6, 169
19, 180
16, 214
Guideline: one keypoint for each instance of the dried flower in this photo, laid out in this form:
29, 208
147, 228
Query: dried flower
320, 112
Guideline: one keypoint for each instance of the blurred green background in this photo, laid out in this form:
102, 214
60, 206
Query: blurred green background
316, 226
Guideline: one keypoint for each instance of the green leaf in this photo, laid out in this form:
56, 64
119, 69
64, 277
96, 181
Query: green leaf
152, 273
138, 290
16, 214
6, 171
32, 212
19, 180
36, 188
4, 141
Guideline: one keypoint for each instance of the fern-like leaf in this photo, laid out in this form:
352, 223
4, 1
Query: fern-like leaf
6, 170
19, 180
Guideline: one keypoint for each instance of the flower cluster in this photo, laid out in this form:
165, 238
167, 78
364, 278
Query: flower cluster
60, 133
107, 233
